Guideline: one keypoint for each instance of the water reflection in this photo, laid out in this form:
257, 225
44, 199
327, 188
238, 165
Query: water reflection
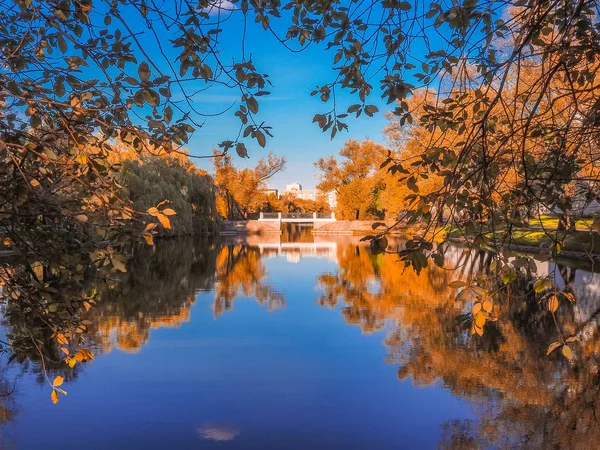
158, 290
240, 272
520, 396
218, 432
523, 398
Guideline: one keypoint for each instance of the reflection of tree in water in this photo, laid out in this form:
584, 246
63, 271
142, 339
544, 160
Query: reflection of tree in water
373, 288
240, 271
158, 290
8, 407
522, 397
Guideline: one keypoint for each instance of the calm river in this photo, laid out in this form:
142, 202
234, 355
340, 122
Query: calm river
296, 342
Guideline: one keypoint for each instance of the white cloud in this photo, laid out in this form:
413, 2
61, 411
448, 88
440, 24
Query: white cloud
220, 6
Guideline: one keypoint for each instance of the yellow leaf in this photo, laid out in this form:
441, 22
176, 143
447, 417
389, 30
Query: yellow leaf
87, 306
479, 320
82, 218
479, 330
566, 350
476, 308
539, 286
487, 306
54, 396
58, 381
72, 362
153, 211
61, 339
150, 226
164, 220
553, 347
87, 354
82, 159
65, 350
118, 264
168, 212
34, 183
553, 303
149, 239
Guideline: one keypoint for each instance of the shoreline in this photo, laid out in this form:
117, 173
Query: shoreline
533, 241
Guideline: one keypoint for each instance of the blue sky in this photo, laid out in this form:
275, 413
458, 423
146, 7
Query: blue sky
289, 109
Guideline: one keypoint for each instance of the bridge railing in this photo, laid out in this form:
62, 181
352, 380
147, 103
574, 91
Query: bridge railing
269, 215
296, 216
299, 215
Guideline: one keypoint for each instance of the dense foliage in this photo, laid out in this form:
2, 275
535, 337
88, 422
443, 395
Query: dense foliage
190, 192
243, 191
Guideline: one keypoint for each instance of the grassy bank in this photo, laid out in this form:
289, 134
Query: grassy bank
541, 236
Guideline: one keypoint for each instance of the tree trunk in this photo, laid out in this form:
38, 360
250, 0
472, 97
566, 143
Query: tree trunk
566, 222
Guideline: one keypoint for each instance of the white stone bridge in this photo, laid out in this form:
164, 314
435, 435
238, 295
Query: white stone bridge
297, 217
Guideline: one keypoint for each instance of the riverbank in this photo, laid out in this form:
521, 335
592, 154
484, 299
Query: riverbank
351, 227
340, 227
534, 240
575, 244
242, 227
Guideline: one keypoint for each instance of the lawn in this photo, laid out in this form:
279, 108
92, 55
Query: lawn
550, 222
542, 233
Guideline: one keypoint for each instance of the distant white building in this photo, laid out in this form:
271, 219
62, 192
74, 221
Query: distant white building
293, 187
296, 190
